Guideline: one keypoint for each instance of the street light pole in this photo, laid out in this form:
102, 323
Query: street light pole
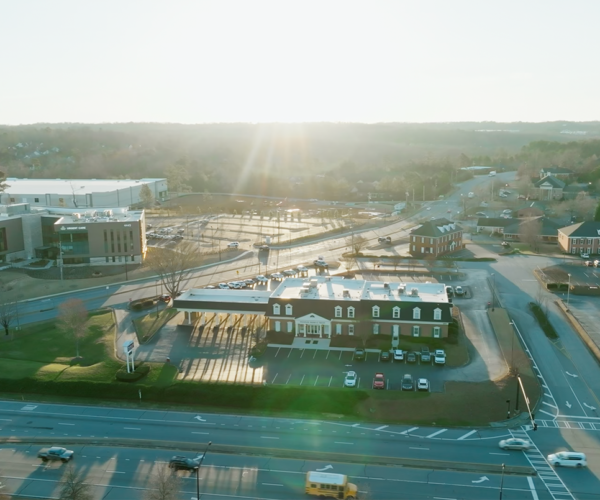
493, 291
569, 290
198, 471
502, 482
508, 408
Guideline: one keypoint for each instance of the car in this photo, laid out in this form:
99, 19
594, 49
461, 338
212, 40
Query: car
449, 211
223, 286
320, 263
407, 382
458, 290
379, 381
359, 354
276, 276
177, 237
507, 211
422, 384
149, 226
302, 269
384, 239
425, 355
398, 355
385, 356
233, 244
521, 197
596, 263
290, 272
428, 208
585, 255
180, 231
449, 291
250, 281
514, 444
165, 297
179, 462
588, 263
351, 379
234, 284
481, 214
411, 357
433, 218
261, 278
568, 459
439, 357
263, 248
55, 453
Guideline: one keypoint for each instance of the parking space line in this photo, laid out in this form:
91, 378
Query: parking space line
316, 380
409, 431
302, 379
340, 357
327, 354
330, 380
436, 433
303, 350
273, 381
381, 428
278, 349
465, 436
315, 354
288, 380
290, 353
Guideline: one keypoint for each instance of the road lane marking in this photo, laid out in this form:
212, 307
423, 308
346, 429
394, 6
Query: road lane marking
60, 423
271, 484
507, 454
115, 472
418, 448
436, 433
443, 498
381, 428
132, 428
547, 413
273, 381
6, 419
342, 442
317, 379
552, 406
409, 431
355, 425
532, 488
268, 437
467, 435
200, 432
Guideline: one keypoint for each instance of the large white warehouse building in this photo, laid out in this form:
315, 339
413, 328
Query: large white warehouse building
80, 193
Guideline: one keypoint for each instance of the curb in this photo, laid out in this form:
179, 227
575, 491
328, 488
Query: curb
583, 334
287, 453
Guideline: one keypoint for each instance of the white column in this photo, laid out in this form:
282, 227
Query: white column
203, 319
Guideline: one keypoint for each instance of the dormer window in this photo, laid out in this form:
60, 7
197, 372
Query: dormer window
396, 312
338, 311
351, 312
288, 309
437, 314
375, 310
416, 313
276, 309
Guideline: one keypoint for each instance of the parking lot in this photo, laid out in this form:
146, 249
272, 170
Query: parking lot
328, 368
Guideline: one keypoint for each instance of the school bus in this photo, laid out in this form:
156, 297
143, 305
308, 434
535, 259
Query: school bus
325, 484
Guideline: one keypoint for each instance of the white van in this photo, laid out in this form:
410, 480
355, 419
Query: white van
568, 459
233, 244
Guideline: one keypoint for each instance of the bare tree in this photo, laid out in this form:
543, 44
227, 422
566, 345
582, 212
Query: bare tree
73, 486
164, 485
357, 243
146, 196
173, 267
530, 232
8, 313
72, 319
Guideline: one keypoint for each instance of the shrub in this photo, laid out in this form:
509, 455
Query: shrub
345, 341
543, 321
139, 373
136, 307
259, 349
274, 337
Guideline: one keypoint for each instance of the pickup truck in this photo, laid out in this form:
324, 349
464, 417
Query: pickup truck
425, 355
55, 453
439, 357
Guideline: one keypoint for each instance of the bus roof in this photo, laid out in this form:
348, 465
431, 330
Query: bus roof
327, 477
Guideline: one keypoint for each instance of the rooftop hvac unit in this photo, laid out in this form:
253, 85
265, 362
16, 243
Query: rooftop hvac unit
346, 293
386, 285
414, 292
313, 283
401, 288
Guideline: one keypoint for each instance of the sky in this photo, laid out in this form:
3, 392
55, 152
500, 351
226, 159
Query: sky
198, 61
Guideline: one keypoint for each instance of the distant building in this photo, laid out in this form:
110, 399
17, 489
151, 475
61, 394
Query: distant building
583, 237
436, 237
548, 188
545, 229
493, 224
558, 172
81, 193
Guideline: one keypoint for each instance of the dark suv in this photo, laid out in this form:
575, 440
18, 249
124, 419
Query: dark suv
184, 463
359, 354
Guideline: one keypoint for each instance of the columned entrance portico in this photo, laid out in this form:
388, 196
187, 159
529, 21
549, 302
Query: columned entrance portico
313, 325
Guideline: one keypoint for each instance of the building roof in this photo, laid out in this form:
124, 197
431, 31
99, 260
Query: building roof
548, 226
224, 300
436, 228
557, 170
553, 181
494, 222
588, 229
71, 186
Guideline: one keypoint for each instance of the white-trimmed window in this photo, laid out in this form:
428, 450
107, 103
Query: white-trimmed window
437, 332
351, 312
376, 328
375, 310
437, 314
290, 326
416, 313
351, 329
288, 309
276, 309
338, 311
416, 331
338, 329
277, 326
396, 312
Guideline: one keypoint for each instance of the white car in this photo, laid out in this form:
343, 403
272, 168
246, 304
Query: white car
439, 357
223, 286
422, 384
568, 459
458, 290
514, 444
398, 355
585, 255
277, 276
233, 244
261, 278
351, 379
302, 269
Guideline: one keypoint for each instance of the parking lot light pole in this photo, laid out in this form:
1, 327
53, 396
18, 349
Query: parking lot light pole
569, 290
198, 471
493, 291
508, 408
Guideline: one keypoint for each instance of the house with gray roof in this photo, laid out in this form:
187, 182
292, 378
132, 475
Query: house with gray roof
493, 224
559, 172
543, 228
583, 237
548, 188
436, 237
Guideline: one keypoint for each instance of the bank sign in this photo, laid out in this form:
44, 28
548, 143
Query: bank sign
73, 228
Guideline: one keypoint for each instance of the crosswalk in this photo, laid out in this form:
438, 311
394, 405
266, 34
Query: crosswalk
545, 471
569, 424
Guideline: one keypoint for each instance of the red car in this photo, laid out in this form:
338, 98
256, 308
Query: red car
165, 297
379, 381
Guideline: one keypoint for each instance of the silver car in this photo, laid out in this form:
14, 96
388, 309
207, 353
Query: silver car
514, 444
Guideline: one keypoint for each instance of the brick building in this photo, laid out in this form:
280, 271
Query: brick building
436, 237
583, 237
